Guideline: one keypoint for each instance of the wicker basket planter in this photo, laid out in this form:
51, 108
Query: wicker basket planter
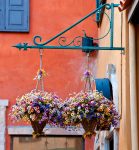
38, 128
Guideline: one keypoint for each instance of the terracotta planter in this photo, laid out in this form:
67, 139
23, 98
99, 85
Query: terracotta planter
89, 127
38, 128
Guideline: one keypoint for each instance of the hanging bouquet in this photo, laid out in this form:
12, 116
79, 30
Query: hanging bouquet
38, 108
91, 109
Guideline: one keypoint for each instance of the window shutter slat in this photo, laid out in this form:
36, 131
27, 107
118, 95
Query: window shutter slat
17, 15
2, 14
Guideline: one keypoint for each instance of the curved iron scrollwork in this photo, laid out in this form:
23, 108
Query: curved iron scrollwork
39, 38
77, 41
62, 40
107, 6
102, 37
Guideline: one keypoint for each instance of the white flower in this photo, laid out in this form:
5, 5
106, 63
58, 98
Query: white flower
79, 107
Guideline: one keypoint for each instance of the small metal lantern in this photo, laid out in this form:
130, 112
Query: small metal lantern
87, 41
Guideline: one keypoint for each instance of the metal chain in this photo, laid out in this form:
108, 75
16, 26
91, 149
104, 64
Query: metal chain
41, 54
40, 82
88, 85
88, 60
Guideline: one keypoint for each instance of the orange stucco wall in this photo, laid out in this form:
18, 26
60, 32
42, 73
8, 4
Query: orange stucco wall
64, 68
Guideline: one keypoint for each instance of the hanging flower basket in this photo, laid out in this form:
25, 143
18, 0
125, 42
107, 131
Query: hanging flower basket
91, 109
37, 108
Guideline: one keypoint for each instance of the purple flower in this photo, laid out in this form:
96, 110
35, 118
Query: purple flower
87, 74
47, 106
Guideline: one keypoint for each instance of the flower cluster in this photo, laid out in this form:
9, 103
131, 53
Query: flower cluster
40, 74
88, 75
90, 106
37, 106
91, 109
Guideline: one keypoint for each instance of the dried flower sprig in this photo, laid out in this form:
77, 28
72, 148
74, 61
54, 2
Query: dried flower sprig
40, 74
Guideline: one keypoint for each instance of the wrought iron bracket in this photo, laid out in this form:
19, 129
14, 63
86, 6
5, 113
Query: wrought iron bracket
86, 44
